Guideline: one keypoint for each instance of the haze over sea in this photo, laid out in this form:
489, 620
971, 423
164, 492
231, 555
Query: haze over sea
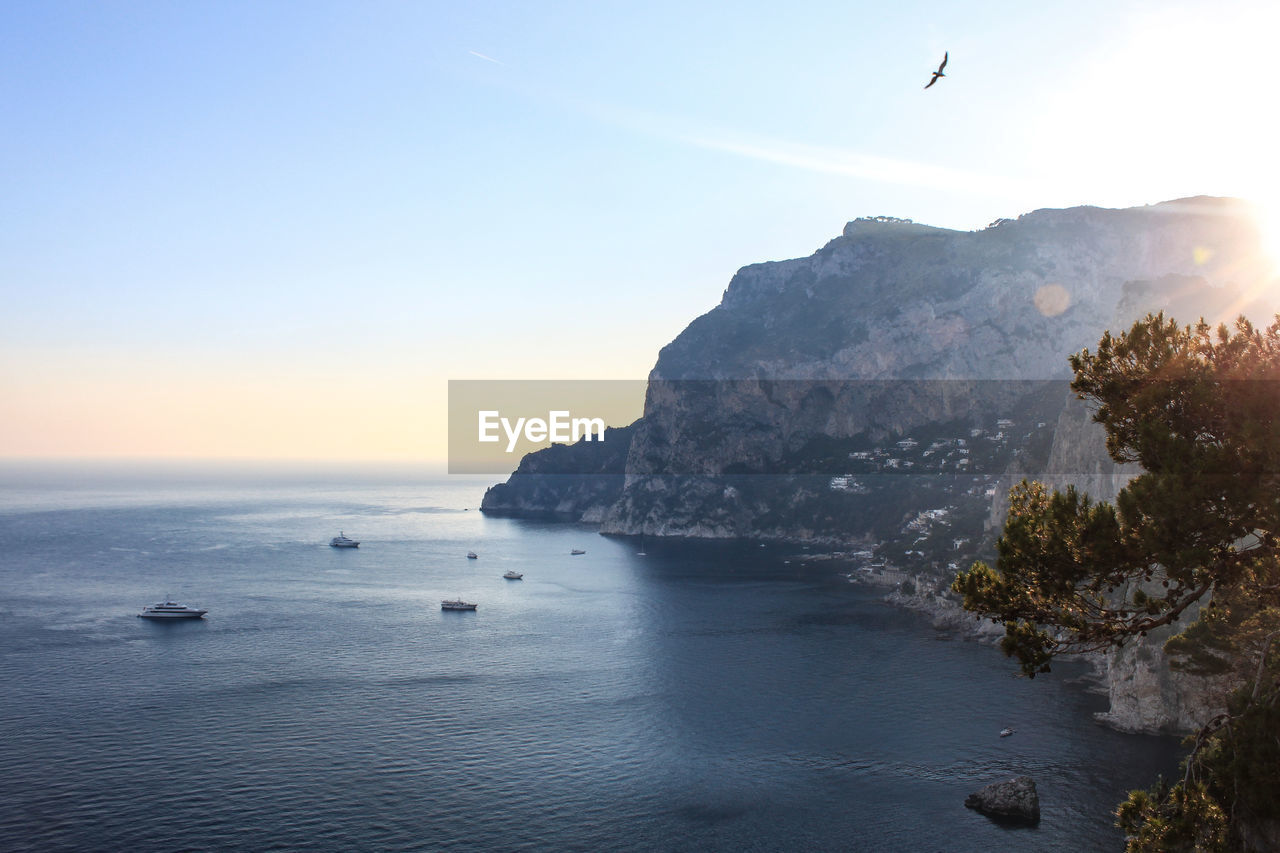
702, 697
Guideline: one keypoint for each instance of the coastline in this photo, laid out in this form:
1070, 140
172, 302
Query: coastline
930, 596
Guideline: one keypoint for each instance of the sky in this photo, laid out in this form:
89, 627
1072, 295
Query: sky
276, 230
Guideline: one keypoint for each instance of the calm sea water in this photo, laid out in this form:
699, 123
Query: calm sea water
698, 698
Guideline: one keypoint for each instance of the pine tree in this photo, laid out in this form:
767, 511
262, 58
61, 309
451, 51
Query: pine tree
1199, 410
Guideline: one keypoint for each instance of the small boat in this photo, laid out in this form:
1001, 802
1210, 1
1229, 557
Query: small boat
472, 555
576, 551
457, 604
513, 575
1006, 732
341, 541
171, 610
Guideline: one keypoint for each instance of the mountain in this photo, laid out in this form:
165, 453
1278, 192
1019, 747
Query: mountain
899, 368
885, 392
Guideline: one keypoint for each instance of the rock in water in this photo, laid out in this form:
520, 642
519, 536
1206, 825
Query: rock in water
1014, 800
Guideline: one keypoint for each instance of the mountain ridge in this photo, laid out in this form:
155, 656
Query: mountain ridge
883, 394
900, 302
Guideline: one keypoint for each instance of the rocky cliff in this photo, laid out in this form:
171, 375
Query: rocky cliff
894, 327
895, 332
900, 368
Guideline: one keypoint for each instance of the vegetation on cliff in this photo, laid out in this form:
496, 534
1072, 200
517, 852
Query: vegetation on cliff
1199, 410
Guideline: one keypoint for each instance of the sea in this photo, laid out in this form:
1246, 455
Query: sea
696, 696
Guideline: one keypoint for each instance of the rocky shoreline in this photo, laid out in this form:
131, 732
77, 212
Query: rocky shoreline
1145, 696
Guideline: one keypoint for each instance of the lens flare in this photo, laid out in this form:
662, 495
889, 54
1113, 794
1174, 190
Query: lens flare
1052, 299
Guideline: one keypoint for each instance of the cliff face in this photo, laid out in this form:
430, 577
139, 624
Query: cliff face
894, 327
1148, 697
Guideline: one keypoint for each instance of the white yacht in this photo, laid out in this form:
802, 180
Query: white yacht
513, 575
341, 541
171, 610
576, 551
1006, 732
457, 604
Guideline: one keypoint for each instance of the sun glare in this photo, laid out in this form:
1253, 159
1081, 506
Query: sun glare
1197, 127
1268, 218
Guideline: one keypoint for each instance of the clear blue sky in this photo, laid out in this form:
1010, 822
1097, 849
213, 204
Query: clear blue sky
219, 218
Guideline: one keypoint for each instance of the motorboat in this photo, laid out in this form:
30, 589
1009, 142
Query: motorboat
576, 551
457, 604
341, 541
1006, 732
171, 610
472, 555
513, 575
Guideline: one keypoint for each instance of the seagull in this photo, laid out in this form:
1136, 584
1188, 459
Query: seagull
938, 73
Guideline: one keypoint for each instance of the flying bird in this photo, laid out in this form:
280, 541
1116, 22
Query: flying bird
938, 73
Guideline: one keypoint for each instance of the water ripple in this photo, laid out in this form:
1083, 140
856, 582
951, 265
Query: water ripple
694, 700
